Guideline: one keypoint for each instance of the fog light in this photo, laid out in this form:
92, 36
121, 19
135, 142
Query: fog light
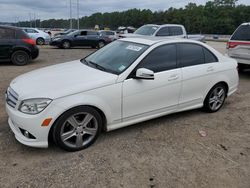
26, 134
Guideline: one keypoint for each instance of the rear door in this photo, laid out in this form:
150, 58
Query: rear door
199, 66
92, 38
239, 45
7, 40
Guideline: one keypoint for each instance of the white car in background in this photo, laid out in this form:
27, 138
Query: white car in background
39, 36
126, 82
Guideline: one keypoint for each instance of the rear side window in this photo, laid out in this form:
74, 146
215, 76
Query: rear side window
190, 54
108, 33
30, 31
242, 33
175, 30
160, 59
7, 33
92, 33
163, 32
209, 56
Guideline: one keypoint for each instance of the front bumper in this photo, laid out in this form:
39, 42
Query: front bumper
55, 43
32, 123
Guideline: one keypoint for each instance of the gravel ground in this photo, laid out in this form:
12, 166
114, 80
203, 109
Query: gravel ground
164, 152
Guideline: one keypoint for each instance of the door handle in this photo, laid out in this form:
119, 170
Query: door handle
173, 77
210, 69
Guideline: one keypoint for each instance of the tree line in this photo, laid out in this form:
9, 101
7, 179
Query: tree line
215, 17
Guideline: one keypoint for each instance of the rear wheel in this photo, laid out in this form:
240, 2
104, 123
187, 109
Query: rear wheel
40, 41
20, 58
101, 44
215, 98
77, 128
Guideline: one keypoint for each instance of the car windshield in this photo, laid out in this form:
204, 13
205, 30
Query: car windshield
115, 57
73, 33
146, 30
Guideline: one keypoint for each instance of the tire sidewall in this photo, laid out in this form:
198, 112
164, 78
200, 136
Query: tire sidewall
61, 120
13, 58
41, 40
206, 102
66, 41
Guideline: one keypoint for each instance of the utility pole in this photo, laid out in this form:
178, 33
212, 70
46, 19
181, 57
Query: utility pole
35, 19
30, 20
70, 12
78, 19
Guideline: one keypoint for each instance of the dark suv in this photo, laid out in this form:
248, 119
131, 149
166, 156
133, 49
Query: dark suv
90, 38
16, 46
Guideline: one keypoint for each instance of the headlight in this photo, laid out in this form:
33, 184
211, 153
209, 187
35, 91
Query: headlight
34, 106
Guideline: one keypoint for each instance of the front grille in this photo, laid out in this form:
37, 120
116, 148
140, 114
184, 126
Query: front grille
11, 97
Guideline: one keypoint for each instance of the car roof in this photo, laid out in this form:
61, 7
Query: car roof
153, 40
247, 23
164, 25
10, 27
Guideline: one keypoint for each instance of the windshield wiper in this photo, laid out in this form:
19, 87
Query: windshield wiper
96, 65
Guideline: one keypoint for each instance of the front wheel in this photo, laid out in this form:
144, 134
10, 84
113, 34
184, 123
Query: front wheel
100, 44
77, 128
215, 98
40, 41
66, 44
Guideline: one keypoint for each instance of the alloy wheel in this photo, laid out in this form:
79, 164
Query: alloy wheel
217, 98
79, 130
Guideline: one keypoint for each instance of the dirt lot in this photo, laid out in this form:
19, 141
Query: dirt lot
165, 152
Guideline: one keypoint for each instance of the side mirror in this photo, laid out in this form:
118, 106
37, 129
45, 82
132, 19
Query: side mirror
76, 35
146, 74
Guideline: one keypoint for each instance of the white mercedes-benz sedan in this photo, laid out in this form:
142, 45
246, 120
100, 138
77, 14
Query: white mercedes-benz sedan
128, 81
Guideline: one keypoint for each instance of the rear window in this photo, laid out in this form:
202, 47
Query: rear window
7, 33
242, 33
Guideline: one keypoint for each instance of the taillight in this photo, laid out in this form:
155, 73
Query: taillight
234, 44
29, 41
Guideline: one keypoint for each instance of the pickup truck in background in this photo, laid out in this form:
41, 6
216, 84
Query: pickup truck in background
164, 31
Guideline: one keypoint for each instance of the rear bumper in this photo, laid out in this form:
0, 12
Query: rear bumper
35, 52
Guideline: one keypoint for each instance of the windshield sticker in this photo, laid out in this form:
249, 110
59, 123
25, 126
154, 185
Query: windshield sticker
134, 48
121, 68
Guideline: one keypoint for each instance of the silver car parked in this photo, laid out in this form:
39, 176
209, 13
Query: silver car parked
238, 46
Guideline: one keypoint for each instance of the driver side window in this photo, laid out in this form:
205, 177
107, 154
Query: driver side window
162, 58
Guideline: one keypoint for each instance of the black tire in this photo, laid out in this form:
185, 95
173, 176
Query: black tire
66, 44
20, 58
211, 98
40, 41
64, 128
101, 44
241, 67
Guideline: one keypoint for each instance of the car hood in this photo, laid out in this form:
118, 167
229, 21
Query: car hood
132, 35
60, 80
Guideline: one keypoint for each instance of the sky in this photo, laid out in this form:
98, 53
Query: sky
19, 10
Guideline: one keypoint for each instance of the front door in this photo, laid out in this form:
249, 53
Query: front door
149, 97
